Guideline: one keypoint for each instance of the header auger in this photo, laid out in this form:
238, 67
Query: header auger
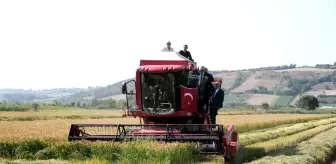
168, 110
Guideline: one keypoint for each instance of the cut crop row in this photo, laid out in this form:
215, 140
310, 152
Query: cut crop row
254, 137
258, 150
318, 149
248, 127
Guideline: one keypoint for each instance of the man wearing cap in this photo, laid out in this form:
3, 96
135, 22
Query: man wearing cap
216, 102
168, 48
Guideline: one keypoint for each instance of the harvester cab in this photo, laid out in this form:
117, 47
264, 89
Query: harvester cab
165, 100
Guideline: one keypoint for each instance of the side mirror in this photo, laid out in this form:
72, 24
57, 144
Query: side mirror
123, 88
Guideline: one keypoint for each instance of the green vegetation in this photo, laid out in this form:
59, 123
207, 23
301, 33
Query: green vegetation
12, 107
307, 102
235, 100
131, 152
283, 100
26, 107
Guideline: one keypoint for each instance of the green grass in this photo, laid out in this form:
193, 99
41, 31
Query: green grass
318, 149
283, 100
130, 152
235, 99
258, 150
26, 107
19, 161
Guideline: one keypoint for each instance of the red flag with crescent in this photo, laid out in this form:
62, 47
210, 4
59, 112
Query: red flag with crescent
189, 99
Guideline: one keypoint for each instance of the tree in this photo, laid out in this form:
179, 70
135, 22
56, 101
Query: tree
94, 102
78, 104
308, 102
264, 105
35, 106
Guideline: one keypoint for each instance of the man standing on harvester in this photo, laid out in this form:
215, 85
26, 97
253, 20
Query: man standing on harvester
186, 53
216, 102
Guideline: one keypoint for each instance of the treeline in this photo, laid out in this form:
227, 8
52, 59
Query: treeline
13, 108
281, 67
327, 99
92, 104
326, 66
4, 107
57, 104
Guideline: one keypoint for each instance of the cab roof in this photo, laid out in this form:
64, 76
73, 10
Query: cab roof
166, 58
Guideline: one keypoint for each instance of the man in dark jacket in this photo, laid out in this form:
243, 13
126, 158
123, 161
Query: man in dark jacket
216, 102
193, 76
208, 88
186, 53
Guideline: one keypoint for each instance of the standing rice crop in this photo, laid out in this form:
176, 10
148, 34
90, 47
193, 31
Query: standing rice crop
130, 152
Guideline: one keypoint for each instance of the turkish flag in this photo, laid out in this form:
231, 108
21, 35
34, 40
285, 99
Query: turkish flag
189, 99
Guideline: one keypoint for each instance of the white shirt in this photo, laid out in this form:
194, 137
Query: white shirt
215, 92
166, 49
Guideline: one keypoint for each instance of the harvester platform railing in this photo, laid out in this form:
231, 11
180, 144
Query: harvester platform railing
204, 134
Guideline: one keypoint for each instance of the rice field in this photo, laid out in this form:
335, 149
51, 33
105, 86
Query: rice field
263, 138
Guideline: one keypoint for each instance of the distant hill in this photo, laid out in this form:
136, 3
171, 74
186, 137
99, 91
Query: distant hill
109, 91
46, 95
275, 85
279, 85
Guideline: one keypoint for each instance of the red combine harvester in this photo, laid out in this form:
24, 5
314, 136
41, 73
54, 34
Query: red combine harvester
172, 116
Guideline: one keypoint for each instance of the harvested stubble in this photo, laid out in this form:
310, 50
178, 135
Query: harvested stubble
318, 149
247, 127
258, 150
41, 129
261, 118
254, 137
131, 152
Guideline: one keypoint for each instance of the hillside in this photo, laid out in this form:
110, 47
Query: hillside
110, 91
46, 95
280, 85
252, 87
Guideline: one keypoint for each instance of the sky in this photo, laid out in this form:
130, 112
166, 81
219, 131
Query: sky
81, 43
